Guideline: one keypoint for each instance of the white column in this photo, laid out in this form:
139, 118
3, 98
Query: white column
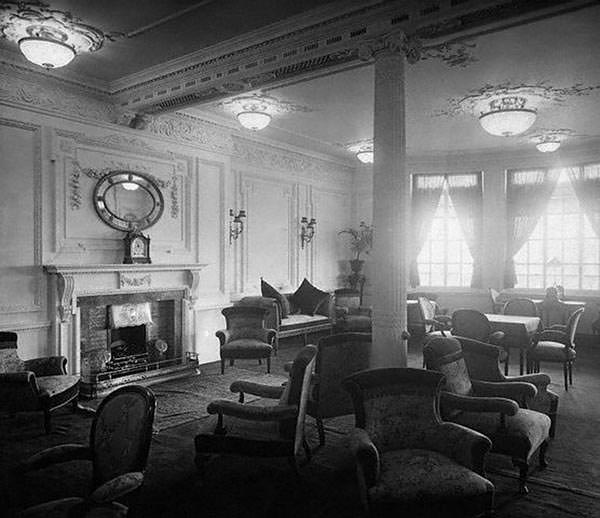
390, 211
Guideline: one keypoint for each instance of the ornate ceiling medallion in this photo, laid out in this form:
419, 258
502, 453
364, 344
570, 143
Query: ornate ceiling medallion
255, 111
47, 37
363, 149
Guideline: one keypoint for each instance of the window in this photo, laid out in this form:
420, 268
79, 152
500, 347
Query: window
563, 249
445, 259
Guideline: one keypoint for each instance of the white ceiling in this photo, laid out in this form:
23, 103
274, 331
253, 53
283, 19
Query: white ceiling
557, 53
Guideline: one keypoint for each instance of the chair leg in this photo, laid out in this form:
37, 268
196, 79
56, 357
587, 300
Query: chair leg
269, 365
523, 469
507, 362
566, 375
321, 431
570, 373
259, 361
231, 362
222, 366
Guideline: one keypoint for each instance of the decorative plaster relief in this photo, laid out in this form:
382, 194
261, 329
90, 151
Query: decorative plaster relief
134, 280
20, 86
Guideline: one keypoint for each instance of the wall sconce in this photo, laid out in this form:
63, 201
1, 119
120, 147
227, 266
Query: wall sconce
236, 224
307, 230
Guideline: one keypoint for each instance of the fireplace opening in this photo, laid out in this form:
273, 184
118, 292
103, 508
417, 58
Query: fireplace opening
127, 346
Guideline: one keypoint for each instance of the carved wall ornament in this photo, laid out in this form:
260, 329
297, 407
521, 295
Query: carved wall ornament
396, 41
134, 280
454, 54
174, 194
536, 95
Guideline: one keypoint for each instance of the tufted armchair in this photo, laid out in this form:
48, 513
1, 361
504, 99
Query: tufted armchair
38, 384
118, 450
409, 461
557, 344
246, 336
350, 316
338, 356
483, 364
257, 430
491, 408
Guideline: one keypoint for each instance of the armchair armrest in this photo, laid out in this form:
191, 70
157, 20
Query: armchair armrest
117, 487
553, 335
49, 366
257, 389
55, 455
540, 380
252, 413
20, 378
496, 338
558, 327
223, 335
517, 391
460, 443
479, 404
366, 454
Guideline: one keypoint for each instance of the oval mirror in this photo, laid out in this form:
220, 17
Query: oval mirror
127, 200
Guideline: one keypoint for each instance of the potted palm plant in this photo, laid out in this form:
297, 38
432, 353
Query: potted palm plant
361, 242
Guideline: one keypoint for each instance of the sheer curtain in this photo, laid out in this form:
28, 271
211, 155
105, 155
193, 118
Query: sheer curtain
586, 184
466, 194
527, 195
426, 193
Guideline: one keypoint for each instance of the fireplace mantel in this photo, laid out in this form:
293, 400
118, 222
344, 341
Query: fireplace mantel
68, 282
75, 280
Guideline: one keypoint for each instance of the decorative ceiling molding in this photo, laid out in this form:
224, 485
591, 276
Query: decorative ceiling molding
537, 95
330, 44
268, 104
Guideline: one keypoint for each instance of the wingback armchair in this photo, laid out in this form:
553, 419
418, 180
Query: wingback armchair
483, 363
350, 316
38, 384
408, 460
246, 336
256, 430
491, 408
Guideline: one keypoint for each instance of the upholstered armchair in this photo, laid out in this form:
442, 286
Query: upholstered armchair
557, 344
350, 316
38, 384
260, 431
483, 363
423, 319
246, 336
409, 461
338, 356
118, 450
491, 408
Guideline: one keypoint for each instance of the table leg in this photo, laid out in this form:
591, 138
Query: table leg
521, 361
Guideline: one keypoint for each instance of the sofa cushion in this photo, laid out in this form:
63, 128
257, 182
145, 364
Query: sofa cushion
308, 297
10, 361
268, 291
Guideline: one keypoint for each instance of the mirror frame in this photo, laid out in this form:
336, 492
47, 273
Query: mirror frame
121, 176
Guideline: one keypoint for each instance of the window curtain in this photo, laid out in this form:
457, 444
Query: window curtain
466, 194
426, 193
527, 195
586, 184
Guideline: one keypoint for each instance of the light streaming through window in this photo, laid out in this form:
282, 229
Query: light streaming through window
445, 259
563, 249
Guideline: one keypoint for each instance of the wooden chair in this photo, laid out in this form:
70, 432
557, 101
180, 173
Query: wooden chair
521, 307
557, 344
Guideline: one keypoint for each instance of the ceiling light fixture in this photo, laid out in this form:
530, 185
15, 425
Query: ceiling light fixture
254, 120
507, 116
362, 149
548, 146
47, 37
366, 156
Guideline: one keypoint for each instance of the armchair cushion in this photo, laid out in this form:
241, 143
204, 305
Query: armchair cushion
284, 304
554, 335
50, 366
425, 475
51, 386
246, 348
258, 389
252, 412
117, 487
308, 297
552, 351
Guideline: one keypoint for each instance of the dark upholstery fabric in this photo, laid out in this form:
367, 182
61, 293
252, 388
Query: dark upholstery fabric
308, 297
246, 348
269, 291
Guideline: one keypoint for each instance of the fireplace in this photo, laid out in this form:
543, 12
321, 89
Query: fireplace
119, 324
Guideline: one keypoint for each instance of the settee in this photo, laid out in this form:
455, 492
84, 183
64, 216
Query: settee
308, 310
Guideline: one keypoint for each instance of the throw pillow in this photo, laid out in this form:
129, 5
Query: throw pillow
307, 297
268, 291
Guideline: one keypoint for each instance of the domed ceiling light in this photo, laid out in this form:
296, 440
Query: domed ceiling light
507, 116
548, 146
47, 37
255, 111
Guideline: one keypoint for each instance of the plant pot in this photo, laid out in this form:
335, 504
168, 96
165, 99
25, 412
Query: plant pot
356, 265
